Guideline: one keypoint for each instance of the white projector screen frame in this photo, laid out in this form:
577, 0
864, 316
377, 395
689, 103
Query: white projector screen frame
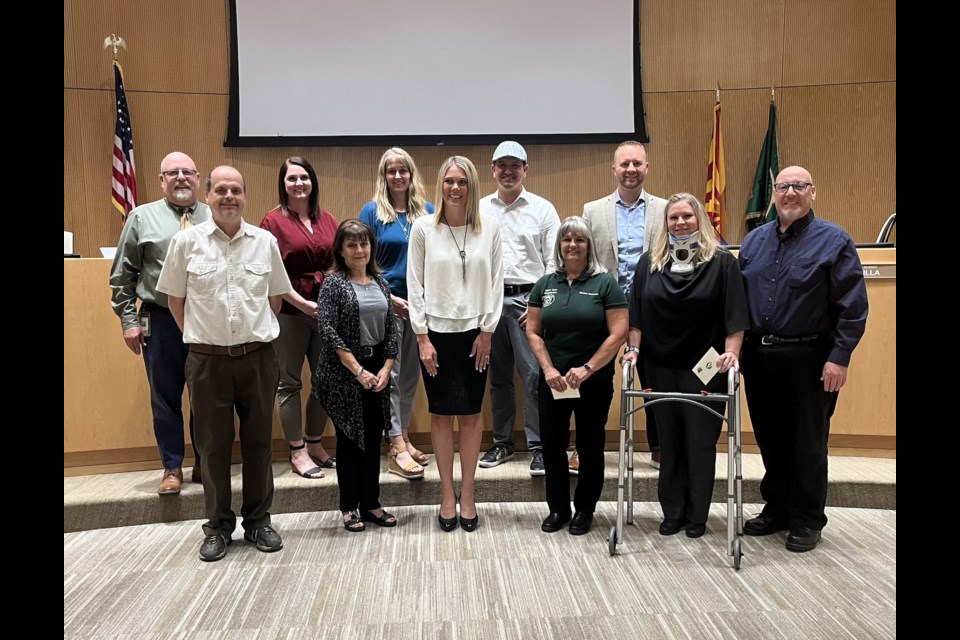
434, 72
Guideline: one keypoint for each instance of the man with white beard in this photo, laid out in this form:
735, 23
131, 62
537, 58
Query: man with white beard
152, 330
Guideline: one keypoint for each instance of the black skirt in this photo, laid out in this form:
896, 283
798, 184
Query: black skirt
458, 388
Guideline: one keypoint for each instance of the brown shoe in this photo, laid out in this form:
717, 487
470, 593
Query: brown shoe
574, 464
197, 475
172, 479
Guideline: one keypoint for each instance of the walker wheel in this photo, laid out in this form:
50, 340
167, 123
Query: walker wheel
613, 541
737, 554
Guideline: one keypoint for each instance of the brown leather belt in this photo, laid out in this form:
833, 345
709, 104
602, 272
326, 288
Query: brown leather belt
232, 351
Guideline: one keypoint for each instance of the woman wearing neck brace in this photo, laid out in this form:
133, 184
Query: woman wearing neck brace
687, 297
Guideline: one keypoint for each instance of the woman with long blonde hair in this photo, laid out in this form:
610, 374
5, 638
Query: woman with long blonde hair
687, 298
398, 200
455, 279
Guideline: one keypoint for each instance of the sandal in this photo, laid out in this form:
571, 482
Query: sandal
408, 471
420, 457
354, 524
329, 463
384, 520
314, 473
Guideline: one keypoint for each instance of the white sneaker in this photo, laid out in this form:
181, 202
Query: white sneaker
654, 459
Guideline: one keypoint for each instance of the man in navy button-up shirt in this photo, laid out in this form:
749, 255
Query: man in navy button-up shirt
808, 311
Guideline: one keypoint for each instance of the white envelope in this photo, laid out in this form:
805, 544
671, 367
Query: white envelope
569, 394
707, 367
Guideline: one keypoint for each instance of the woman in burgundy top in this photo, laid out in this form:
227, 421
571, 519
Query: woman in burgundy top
305, 233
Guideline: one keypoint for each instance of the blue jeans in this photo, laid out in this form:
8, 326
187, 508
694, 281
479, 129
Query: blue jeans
164, 356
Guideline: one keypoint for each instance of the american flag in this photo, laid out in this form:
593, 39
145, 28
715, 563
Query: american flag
124, 168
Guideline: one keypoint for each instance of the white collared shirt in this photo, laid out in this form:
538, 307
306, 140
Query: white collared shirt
227, 283
528, 229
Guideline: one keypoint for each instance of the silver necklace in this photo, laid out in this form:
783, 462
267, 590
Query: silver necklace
463, 250
405, 230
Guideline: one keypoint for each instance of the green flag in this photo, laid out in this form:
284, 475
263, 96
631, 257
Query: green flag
760, 207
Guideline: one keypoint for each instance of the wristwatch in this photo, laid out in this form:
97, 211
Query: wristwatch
632, 350
588, 367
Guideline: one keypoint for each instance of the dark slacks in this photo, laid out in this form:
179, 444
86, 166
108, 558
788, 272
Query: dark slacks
791, 415
688, 444
510, 349
591, 410
164, 356
653, 432
220, 385
358, 472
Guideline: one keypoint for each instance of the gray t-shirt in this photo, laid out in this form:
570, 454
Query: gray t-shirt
373, 313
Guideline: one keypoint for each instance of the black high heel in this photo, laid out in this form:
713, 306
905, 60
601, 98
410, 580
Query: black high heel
468, 524
448, 524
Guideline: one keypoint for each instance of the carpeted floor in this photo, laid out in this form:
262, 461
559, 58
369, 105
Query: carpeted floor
506, 580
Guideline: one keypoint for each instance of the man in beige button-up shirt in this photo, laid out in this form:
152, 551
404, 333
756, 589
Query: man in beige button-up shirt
224, 280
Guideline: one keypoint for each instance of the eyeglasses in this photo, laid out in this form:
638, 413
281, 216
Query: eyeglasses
799, 187
173, 173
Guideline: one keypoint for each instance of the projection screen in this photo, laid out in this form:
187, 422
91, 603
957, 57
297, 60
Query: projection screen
434, 72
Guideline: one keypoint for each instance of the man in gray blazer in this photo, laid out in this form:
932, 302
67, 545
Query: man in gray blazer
624, 224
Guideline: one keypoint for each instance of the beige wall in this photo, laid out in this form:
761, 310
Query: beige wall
833, 65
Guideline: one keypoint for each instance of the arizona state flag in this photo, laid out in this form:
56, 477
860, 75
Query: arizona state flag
760, 207
716, 202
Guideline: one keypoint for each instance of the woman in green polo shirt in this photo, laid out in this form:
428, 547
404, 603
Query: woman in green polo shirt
576, 323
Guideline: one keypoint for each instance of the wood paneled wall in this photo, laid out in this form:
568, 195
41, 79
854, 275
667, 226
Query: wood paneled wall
833, 65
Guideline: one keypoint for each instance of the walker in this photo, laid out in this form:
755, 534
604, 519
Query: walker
628, 410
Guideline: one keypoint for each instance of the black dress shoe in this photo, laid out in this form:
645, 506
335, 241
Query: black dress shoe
554, 522
763, 526
469, 524
696, 530
802, 539
671, 526
581, 523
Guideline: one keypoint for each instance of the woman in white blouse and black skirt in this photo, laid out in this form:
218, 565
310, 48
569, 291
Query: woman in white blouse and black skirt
455, 287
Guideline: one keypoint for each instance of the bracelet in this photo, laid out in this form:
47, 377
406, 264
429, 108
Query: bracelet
632, 350
358, 373
588, 367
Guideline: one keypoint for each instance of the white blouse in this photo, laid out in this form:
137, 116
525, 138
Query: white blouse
443, 296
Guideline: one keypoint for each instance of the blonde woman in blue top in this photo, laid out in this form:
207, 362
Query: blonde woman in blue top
398, 201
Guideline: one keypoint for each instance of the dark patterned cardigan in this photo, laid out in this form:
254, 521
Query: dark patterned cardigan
336, 386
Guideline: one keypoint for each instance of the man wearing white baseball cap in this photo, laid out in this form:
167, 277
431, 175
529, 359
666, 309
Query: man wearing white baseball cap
528, 229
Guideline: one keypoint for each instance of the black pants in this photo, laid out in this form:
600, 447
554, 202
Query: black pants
791, 415
358, 471
688, 444
591, 410
653, 432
